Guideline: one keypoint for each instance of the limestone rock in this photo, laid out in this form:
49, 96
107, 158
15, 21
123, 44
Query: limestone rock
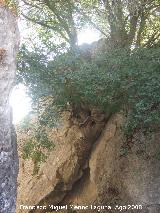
63, 168
9, 39
96, 170
116, 179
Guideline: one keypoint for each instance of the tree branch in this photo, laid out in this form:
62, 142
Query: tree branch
60, 19
141, 28
91, 22
43, 24
152, 39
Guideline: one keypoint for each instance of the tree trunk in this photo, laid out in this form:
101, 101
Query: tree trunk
9, 40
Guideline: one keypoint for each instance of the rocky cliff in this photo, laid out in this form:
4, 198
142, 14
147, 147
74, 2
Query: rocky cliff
8, 153
92, 166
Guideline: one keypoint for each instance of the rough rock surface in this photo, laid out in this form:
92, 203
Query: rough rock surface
8, 153
64, 166
121, 176
99, 171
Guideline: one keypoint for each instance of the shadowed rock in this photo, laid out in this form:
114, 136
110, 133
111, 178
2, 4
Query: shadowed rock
8, 152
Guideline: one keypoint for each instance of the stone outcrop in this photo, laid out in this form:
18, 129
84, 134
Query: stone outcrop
68, 161
92, 165
9, 39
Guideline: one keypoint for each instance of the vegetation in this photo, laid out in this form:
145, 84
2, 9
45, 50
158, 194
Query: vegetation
126, 22
124, 77
112, 81
37, 149
38, 145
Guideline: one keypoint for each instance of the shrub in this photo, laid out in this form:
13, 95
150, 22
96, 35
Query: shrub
119, 80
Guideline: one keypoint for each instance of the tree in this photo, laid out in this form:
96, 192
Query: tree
60, 17
127, 25
9, 40
113, 80
126, 22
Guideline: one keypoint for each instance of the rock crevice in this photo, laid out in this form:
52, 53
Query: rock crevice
87, 168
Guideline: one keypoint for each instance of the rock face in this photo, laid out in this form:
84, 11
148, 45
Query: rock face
8, 153
91, 165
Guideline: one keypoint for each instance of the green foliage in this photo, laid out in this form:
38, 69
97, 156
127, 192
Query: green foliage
37, 148
119, 80
58, 20
62, 77
125, 22
26, 123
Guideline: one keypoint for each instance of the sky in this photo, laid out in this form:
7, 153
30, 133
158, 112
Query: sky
88, 36
19, 100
